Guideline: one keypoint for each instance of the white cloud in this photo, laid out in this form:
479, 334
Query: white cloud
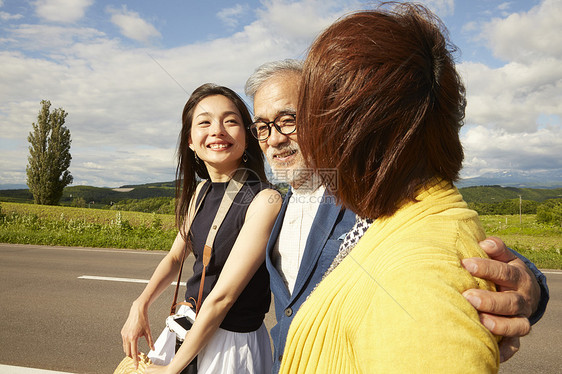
132, 25
116, 100
441, 7
504, 6
4, 16
49, 38
230, 16
513, 96
13, 164
495, 149
125, 108
93, 165
143, 165
525, 37
290, 22
514, 111
65, 11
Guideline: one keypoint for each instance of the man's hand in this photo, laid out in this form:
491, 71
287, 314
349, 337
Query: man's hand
504, 312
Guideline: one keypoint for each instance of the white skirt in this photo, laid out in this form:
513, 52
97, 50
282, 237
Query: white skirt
236, 352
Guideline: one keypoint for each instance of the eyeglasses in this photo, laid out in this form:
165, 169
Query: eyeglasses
284, 123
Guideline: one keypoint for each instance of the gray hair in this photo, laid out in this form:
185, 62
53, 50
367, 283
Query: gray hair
268, 70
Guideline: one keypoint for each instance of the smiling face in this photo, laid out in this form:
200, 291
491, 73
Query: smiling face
217, 135
275, 96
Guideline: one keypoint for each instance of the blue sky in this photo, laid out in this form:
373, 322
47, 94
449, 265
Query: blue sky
124, 69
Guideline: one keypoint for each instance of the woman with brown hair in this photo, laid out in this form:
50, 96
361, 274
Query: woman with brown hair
228, 335
382, 103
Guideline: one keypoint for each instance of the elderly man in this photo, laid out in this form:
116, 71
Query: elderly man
311, 227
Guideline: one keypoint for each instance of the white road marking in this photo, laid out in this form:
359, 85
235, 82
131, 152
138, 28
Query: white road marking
551, 272
113, 279
116, 279
5, 369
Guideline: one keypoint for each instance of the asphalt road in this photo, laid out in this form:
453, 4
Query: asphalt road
56, 315
52, 318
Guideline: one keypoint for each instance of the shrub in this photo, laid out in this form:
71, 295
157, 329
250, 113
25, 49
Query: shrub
78, 202
550, 212
161, 205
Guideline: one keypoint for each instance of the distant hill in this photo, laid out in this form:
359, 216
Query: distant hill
108, 196
497, 194
519, 179
98, 195
171, 184
17, 196
11, 186
505, 178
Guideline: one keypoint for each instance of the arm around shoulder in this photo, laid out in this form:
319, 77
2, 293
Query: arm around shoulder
544, 293
523, 288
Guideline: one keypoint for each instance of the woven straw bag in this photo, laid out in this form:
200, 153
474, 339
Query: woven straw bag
127, 365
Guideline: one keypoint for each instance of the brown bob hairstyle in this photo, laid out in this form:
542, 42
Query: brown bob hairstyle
189, 168
382, 103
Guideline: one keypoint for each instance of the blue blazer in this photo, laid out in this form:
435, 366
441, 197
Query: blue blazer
329, 228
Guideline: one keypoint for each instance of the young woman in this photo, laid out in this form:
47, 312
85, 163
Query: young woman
381, 103
228, 335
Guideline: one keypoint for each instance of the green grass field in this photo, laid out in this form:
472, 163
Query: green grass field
541, 243
100, 216
57, 225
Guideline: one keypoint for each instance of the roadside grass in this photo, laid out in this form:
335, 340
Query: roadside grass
540, 243
101, 216
57, 225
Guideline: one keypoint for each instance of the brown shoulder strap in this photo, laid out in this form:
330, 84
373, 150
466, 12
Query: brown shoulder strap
232, 189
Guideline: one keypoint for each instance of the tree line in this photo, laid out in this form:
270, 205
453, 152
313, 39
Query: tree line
548, 211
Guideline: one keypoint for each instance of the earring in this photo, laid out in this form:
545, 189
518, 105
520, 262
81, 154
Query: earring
245, 157
196, 157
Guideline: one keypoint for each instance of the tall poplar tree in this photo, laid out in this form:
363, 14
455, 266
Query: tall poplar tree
49, 156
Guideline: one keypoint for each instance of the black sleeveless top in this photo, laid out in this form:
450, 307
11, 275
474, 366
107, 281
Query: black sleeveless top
249, 310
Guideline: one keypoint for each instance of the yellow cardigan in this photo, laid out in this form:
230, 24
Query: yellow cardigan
394, 304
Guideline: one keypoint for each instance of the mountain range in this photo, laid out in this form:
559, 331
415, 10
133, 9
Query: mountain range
504, 178
514, 178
